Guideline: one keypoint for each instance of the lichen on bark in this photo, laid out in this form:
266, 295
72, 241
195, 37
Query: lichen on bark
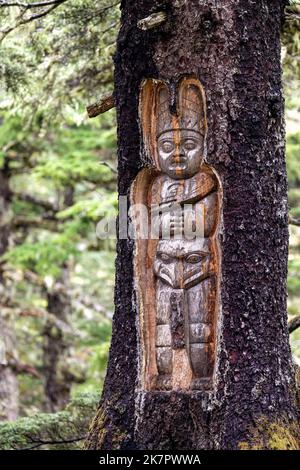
272, 435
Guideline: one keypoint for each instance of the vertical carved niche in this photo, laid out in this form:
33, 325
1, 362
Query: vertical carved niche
176, 215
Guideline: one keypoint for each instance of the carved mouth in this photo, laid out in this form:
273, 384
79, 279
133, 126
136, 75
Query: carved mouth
182, 165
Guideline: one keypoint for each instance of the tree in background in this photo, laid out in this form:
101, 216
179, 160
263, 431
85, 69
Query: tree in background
9, 393
291, 51
59, 182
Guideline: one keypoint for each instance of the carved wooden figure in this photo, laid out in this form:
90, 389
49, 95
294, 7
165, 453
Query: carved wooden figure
177, 264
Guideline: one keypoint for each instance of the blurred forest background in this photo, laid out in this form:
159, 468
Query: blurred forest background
57, 180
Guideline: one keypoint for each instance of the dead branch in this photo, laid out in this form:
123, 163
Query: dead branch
106, 103
292, 12
178, 3
30, 5
293, 324
108, 166
37, 202
293, 16
51, 317
43, 314
294, 220
21, 368
38, 222
43, 13
21, 18
90, 303
34, 278
40, 442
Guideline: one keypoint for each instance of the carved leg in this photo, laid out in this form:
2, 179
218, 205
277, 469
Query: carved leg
182, 372
163, 337
201, 331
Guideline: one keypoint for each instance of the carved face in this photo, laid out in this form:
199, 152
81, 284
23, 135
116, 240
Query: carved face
180, 153
182, 264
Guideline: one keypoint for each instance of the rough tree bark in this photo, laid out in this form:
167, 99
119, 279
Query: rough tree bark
9, 387
233, 48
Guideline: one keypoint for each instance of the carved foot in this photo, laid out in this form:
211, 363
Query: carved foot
164, 382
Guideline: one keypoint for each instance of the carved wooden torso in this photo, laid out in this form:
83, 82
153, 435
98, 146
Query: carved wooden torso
176, 271
199, 191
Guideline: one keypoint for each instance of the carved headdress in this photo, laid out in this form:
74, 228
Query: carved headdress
190, 110
156, 103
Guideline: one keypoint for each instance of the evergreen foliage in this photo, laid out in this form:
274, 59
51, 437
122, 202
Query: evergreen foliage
65, 430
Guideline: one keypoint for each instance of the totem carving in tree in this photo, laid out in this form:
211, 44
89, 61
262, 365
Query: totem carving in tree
177, 260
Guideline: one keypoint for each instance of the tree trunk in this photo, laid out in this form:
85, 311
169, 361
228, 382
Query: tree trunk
57, 380
56, 349
233, 49
9, 388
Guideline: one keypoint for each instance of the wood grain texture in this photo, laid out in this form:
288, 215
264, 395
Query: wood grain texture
178, 306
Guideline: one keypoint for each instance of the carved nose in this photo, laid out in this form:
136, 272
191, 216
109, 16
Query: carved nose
178, 275
178, 153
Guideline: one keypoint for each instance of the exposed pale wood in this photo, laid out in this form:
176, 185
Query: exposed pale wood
182, 372
145, 250
177, 346
178, 3
152, 21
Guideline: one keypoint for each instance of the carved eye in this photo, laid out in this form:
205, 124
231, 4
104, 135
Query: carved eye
193, 259
164, 257
167, 146
190, 144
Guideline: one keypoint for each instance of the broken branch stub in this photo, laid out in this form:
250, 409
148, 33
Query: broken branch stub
106, 103
152, 21
178, 3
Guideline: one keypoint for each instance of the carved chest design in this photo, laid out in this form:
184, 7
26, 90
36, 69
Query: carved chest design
177, 260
